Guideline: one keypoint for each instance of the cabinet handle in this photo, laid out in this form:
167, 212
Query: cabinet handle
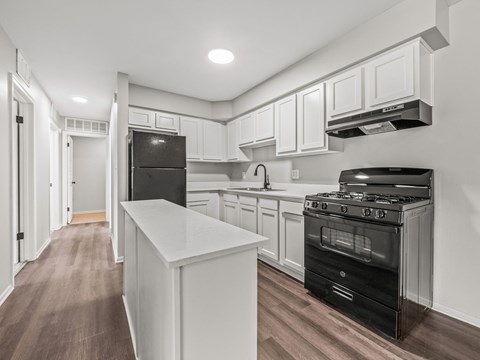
336, 290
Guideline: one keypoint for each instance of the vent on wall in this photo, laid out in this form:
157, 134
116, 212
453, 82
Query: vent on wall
86, 126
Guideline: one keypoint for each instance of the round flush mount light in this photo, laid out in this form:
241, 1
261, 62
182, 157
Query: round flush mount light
221, 56
79, 99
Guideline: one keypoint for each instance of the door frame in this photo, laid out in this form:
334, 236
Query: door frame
55, 132
65, 135
18, 91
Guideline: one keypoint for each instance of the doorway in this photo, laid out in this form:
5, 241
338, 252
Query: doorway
19, 139
55, 176
86, 178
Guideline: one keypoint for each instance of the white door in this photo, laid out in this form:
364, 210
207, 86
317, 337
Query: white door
248, 217
264, 123
345, 94
141, 117
286, 125
268, 227
247, 129
21, 201
230, 213
70, 181
192, 129
198, 206
292, 240
391, 78
166, 122
213, 138
311, 118
232, 142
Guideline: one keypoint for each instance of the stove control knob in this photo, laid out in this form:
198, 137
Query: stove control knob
367, 212
324, 206
381, 214
343, 209
315, 204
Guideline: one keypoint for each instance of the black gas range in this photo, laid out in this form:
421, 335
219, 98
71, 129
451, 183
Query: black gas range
369, 246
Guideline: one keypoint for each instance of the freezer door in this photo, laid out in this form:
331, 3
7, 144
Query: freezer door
153, 183
153, 150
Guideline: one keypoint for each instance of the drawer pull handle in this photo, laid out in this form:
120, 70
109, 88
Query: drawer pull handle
342, 293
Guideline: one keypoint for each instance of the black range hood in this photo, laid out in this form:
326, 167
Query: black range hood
404, 116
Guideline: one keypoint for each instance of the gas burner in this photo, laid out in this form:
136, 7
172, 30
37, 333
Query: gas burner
369, 197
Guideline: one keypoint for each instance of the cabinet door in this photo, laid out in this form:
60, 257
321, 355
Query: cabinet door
232, 140
166, 122
391, 77
345, 93
311, 118
141, 117
230, 213
264, 123
286, 125
268, 227
292, 240
213, 138
198, 206
248, 217
192, 129
247, 129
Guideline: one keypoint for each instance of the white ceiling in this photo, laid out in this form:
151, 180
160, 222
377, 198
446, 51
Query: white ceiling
75, 48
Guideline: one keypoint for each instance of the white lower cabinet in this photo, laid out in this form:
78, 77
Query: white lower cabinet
230, 212
268, 227
248, 217
292, 236
205, 203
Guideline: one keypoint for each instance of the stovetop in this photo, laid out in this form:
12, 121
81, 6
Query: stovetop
369, 198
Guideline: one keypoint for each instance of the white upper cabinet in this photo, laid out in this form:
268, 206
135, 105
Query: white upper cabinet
390, 77
264, 123
141, 117
234, 152
213, 140
286, 125
166, 122
345, 94
401, 75
311, 118
192, 129
247, 129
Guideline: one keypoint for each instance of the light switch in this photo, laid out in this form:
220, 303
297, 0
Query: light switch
244, 175
295, 174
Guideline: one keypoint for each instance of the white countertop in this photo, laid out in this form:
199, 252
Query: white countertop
182, 236
296, 194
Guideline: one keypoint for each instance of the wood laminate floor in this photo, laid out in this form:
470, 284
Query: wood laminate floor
67, 305
294, 325
89, 218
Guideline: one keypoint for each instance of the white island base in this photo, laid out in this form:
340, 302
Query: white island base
186, 302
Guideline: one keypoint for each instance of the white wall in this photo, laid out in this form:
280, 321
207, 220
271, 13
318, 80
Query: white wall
449, 146
40, 200
407, 20
170, 102
89, 174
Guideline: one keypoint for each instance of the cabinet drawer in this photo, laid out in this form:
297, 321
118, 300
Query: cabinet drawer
230, 198
268, 204
247, 200
291, 207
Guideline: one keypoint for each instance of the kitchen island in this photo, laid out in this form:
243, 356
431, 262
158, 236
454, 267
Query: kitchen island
190, 284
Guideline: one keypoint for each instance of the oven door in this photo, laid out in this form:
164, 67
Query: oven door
358, 255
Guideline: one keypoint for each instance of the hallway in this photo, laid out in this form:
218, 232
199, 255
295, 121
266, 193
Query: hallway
68, 304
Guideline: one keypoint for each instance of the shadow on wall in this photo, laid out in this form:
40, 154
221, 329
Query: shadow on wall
200, 172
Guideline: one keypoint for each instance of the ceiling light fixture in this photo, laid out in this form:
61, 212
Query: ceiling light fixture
221, 56
79, 99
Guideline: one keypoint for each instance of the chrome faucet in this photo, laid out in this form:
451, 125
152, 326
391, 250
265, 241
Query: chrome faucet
266, 180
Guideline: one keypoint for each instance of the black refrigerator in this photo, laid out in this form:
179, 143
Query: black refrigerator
157, 165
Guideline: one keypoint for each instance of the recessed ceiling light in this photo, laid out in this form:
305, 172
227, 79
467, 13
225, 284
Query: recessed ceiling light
221, 56
79, 99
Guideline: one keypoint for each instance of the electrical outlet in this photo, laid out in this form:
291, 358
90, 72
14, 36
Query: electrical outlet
244, 175
295, 174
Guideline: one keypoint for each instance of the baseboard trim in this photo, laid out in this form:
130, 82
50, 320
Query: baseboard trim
18, 267
119, 260
5, 294
44, 246
129, 320
457, 315
289, 272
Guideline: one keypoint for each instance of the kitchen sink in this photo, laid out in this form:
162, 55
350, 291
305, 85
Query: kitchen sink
254, 189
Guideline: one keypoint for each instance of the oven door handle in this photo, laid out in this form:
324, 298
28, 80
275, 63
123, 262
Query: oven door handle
359, 258
395, 228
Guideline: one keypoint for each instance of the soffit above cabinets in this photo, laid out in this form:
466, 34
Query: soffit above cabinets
76, 49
